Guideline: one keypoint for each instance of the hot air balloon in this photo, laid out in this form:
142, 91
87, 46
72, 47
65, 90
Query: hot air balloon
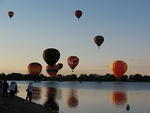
34, 68
10, 14
78, 13
52, 70
119, 98
73, 61
118, 68
60, 65
51, 56
98, 40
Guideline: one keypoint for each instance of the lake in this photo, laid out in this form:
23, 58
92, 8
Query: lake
90, 97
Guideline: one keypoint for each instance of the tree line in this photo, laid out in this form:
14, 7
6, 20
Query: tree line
74, 77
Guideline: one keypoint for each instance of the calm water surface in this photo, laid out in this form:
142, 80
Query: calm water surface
90, 97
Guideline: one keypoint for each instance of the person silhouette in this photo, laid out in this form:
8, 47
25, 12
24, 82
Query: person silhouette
1, 86
5, 87
12, 89
29, 91
16, 88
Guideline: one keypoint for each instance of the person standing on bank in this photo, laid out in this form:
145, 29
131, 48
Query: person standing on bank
16, 89
1, 86
5, 87
12, 89
29, 92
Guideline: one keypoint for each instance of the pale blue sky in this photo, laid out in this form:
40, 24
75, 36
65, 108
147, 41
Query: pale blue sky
41, 24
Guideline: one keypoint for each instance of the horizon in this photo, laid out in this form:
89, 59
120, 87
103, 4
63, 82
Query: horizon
38, 25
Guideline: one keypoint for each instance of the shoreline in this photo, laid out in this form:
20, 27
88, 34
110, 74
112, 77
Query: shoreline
20, 105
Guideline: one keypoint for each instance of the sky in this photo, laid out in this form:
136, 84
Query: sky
41, 24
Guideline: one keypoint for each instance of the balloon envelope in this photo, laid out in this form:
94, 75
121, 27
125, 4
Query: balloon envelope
73, 61
10, 14
60, 65
78, 13
51, 56
34, 68
98, 40
52, 70
118, 68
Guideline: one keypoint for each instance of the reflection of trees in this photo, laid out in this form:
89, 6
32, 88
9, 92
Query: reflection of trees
119, 98
36, 94
51, 103
72, 100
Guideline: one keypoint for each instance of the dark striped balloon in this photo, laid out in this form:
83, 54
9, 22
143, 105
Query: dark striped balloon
52, 70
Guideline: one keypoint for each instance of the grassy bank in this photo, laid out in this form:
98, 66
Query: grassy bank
19, 105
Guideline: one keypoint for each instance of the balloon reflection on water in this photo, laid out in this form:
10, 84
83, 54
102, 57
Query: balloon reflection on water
36, 94
119, 98
72, 100
51, 103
